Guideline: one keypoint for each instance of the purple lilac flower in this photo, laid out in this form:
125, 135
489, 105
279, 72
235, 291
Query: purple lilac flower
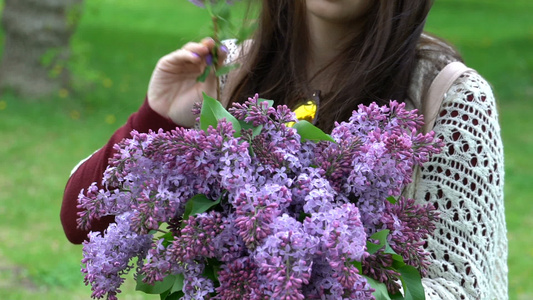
234, 162
320, 196
256, 208
252, 111
277, 146
268, 183
90, 206
238, 280
340, 230
195, 240
378, 266
197, 288
343, 241
228, 244
107, 258
285, 259
327, 286
157, 266
390, 148
409, 225
335, 159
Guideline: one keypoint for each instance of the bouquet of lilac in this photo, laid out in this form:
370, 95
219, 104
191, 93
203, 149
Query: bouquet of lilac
246, 207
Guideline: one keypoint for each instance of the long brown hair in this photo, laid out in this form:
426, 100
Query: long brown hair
375, 66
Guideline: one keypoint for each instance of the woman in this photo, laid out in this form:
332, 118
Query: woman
354, 51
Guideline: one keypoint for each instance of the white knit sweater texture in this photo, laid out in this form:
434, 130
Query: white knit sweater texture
465, 182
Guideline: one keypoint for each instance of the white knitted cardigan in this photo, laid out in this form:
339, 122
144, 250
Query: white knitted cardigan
465, 182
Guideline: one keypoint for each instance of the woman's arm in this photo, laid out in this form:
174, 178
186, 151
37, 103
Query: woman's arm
465, 183
172, 91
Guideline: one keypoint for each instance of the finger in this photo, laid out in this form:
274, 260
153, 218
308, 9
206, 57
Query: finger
204, 49
181, 61
222, 55
208, 42
199, 49
182, 56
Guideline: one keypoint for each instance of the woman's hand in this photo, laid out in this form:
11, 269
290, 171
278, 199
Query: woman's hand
173, 88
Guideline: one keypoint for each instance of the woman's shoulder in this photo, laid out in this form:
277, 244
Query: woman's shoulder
433, 55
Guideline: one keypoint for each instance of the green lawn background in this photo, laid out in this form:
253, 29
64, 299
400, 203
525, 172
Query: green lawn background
117, 45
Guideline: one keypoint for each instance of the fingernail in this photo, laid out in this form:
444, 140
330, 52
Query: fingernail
224, 49
209, 59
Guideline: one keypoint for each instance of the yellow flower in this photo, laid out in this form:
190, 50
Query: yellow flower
306, 111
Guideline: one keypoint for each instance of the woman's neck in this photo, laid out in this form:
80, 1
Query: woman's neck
326, 41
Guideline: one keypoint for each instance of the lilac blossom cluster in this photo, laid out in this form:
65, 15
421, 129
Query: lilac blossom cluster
109, 257
292, 215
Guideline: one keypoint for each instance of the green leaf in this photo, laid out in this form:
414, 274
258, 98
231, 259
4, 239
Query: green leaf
198, 204
397, 260
256, 130
226, 69
211, 269
381, 236
213, 111
174, 296
178, 283
270, 102
167, 239
397, 296
358, 265
380, 288
221, 10
410, 277
245, 32
392, 200
175, 292
204, 75
412, 283
310, 132
159, 287
303, 216
372, 248
389, 250
164, 295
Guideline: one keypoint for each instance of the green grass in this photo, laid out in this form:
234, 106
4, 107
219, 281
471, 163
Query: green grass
117, 46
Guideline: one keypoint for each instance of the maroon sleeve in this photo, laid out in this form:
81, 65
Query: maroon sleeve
92, 170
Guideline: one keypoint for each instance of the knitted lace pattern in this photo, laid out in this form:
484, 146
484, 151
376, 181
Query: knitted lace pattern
465, 182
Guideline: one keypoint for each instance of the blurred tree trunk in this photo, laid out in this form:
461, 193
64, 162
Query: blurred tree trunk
36, 45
